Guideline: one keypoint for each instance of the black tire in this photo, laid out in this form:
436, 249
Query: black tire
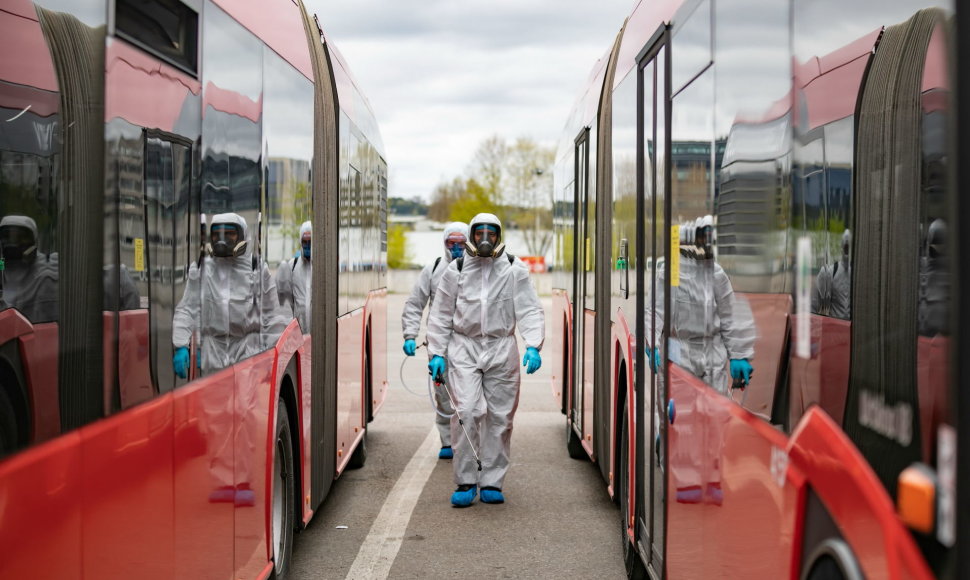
635, 568
359, 458
284, 493
832, 560
368, 386
574, 443
8, 424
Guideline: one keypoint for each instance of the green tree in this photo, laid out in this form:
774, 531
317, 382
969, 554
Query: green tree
397, 254
488, 167
443, 197
471, 202
528, 168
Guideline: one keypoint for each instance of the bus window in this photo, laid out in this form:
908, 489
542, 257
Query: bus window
288, 133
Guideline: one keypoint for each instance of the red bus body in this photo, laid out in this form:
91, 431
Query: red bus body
120, 484
771, 482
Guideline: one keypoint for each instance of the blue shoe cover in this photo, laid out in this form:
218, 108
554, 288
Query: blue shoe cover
446, 453
224, 494
692, 494
245, 498
492, 495
464, 495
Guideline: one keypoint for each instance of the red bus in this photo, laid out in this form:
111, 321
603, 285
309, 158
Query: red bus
127, 126
816, 138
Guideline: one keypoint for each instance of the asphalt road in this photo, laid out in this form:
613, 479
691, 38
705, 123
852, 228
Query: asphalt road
393, 517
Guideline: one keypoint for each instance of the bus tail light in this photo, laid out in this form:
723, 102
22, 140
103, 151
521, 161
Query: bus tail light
916, 497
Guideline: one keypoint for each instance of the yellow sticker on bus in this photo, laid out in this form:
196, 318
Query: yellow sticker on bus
674, 259
139, 255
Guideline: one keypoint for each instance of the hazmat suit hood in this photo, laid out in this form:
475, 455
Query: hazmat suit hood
451, 229
485, 249
305, 246
704, 237
25, 250
221, 249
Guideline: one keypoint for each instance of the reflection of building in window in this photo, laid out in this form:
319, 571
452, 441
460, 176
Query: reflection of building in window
751, 200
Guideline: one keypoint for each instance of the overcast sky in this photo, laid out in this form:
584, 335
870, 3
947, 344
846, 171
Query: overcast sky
443, 75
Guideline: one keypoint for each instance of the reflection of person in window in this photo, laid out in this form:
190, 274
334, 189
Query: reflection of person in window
231, 300
833, 285
712, 331
934, 282
294, 278
29, 277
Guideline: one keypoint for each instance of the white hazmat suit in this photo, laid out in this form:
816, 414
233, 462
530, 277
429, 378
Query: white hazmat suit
232, 302
472, 325
29, 280
294, 279
423, 295
709, 324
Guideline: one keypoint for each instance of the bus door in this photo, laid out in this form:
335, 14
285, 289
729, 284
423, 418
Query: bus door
651, 400
582, 250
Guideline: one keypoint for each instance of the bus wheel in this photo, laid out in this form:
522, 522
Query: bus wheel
283, 495
574, 443
8, 424
635, 568
832, 560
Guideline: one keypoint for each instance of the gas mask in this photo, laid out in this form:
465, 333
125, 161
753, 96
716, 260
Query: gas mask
17, 243
702, 242
224, 241
486, 248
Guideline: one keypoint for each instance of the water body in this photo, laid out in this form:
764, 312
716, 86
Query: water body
425, 246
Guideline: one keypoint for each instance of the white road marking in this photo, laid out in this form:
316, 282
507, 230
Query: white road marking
384, 539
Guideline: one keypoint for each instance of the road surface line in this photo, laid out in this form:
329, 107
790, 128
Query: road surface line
384, 539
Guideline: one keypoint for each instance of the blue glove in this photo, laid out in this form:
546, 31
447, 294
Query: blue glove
532, 361
653, 358
437, 367
410, 347
741, 368
180, 362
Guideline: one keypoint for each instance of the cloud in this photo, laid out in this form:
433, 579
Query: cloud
442, 76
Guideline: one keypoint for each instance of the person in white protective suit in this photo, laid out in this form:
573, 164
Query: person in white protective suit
832, 295
29, 277
712, 331
294, 279
455, 235
231, 300
481, 298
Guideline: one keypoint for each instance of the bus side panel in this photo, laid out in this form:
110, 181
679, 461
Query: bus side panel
40, 514
350, 426
39, 358
305, 398
127, 494
376, 312
731, 511
275, 27
855, 498
255, 398
770, 313
562, 332
204, 477
823, 378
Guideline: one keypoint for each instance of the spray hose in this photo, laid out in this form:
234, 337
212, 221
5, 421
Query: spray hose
434, 404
